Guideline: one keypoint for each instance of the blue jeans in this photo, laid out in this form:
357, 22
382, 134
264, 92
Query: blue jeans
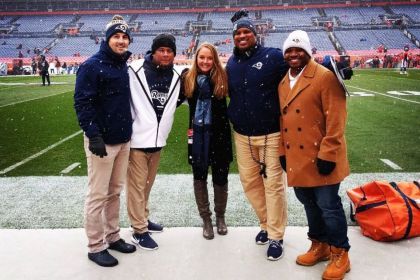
324, 211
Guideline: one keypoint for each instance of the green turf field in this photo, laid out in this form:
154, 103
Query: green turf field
39, 133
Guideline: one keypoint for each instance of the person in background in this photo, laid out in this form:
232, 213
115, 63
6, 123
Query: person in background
209, 136
313, 152
34, 66
155, 94
43, 69
254, 73
102, 104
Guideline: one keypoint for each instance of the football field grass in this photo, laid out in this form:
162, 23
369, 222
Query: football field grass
40, 136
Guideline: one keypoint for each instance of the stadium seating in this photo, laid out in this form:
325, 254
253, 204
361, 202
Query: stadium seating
292, 17
9, 49
41, 23
411, 11
371, 39
220, 20
361, 30
165, 21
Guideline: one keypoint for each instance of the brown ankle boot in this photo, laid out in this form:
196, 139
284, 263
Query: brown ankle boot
220, 201
208, 229
318, 252
338, 266
203, 205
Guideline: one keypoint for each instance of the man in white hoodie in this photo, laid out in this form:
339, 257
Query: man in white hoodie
155, 94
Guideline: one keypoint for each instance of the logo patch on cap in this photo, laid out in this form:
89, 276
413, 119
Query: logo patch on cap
122, 27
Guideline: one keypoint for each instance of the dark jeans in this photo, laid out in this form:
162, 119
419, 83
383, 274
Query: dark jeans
219, 173
324, 211
45, 75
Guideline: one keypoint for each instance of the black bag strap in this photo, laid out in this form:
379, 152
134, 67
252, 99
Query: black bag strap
407, 204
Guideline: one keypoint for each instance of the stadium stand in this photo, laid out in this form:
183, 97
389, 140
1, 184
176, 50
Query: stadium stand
73, 32
41, 23
412, 11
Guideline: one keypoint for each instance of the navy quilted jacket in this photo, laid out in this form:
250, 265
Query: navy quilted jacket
253, 80
102, 96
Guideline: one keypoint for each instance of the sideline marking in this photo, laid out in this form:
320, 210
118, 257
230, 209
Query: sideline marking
412, 101
30, 84
32, 99
70, 168
391, 164
4, 171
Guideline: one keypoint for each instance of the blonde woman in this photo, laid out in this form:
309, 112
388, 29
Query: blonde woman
209, 135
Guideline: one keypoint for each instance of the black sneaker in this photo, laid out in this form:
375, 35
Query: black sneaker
275, 250
122, 246
262, 237
103, 258
153, 227
144, 241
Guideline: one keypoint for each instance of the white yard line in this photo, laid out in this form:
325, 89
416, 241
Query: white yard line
4, 171
391, 164
70, 168
412, 101
32, 99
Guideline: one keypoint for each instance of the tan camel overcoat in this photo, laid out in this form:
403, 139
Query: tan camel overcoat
313, 120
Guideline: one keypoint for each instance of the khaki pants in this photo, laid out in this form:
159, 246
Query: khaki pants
106, 178
266, 195
142, 169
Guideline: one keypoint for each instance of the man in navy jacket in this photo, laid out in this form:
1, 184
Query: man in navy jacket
102, 103
254, 73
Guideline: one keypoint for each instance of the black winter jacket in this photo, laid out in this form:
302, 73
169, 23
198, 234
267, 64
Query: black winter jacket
253, 80
102, 96
220, 151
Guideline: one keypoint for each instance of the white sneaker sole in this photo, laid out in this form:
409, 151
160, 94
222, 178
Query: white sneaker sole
144, 248
275, 259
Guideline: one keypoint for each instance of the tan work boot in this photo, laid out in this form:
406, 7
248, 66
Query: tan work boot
338, 266
319, 251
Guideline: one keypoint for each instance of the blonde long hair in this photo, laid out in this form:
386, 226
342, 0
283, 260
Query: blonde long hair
218, 75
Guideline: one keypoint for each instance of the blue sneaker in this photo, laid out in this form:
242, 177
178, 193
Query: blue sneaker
154, 227
262, 237
144, 241
275, 250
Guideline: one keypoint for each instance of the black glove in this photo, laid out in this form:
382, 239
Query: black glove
283, 162
345, 72
325, 167
97, 146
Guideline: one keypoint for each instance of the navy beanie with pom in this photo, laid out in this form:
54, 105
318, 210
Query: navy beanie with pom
117, 24
241, 20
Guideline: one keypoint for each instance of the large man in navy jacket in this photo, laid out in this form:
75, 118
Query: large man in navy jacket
254, 73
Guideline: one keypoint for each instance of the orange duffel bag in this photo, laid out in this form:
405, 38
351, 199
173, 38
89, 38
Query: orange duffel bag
387, 211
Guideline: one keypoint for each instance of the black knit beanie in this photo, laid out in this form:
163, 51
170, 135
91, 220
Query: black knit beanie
164, 40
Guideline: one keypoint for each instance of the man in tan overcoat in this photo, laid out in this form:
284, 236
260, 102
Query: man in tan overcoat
313, 152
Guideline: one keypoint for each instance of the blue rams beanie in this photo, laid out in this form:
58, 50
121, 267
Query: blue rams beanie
241, 20
117, 24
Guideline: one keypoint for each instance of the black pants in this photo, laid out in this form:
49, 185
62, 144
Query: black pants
219, 173
45, 75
